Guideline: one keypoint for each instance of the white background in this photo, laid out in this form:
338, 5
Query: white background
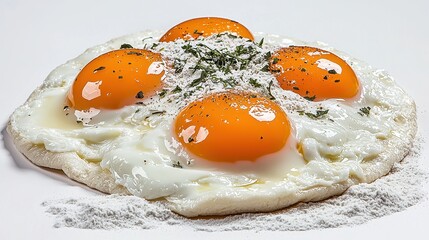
37, 36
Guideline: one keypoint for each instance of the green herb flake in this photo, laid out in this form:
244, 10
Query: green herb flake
332, 71
178, 65
275, 60
177, 89
99, 69
140, 95
254, 83
318, 115
269, 90
157, 112
125, 46
261, 42
199, 33
267, 56
177, 165
162, 93
310, 98
364, 111
266, 68
154, 45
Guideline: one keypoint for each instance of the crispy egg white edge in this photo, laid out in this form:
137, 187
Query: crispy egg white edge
231, 202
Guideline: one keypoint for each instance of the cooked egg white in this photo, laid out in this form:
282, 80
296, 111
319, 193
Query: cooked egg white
137, 145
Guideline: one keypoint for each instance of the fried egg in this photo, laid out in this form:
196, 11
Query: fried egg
213, 122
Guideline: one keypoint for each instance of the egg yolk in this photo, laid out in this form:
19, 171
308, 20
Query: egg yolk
117, 79
205, 27
314, 73
232, 126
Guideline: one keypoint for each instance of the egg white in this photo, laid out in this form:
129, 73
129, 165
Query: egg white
137, 146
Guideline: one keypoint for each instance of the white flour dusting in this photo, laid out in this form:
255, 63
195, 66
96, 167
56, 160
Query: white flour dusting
402, 188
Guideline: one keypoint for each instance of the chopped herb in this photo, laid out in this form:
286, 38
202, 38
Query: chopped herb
144, 39
266, 68
199, 33
140, 95
295, 88
126, 45
188, 94
254, 82
154, 45
275, 60
99, 69
177, 165
269, 90
177, 89
178, 65
228, 35
162, 93
189, 49
364, 111
303, 69
310, 98
337, 81
199, 80
267, 56
190, 139
156, 112
332, 71
66, 108
261, 42
325, 77
319, 114
120, 77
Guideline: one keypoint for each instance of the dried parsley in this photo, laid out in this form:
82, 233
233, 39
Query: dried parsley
177, 165
99, 69
254, 82
140, 95
310, 98
318, 115
177, 89
125, 46
364, 111
269, 90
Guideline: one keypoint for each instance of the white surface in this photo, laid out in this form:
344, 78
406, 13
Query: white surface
37, 36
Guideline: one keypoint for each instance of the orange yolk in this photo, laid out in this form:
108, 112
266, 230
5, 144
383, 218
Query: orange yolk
117, 79
314, 73
232, 126
205, 27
